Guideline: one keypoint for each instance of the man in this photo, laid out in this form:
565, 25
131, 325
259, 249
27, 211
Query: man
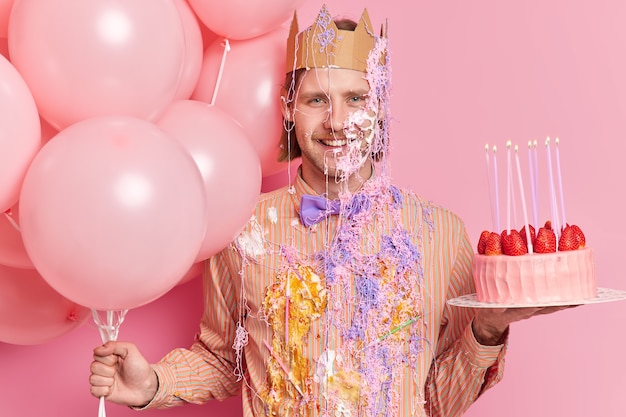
332, 301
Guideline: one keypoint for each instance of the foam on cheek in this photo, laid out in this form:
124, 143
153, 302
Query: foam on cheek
359, 130
360, 125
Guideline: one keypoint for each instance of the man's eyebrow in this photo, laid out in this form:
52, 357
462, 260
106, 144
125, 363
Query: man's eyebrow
322, 93
312, 94
360, 91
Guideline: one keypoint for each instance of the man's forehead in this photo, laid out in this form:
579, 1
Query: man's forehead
335, 79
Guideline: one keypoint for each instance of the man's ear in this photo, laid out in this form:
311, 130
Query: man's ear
284, 108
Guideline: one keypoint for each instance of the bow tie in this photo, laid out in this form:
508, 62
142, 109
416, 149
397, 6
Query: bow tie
313, 209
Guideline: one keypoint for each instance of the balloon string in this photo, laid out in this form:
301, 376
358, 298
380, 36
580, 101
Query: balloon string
226, 45
109, 330
102, 412
9, 217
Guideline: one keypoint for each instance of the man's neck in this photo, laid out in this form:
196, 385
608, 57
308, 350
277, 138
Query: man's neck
329, 186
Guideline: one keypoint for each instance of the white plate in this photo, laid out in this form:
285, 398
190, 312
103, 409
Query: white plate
605, 295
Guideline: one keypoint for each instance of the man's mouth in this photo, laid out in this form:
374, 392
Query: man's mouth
334, 142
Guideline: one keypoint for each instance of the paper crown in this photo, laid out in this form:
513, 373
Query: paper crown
323, 45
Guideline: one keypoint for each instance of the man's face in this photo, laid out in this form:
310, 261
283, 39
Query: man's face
332, 124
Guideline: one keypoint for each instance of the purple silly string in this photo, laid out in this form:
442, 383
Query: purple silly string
377, 283
326, 36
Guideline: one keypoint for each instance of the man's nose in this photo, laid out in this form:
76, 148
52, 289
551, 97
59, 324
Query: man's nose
335, 118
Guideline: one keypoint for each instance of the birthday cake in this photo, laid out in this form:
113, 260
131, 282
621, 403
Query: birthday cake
528, 267
533, 278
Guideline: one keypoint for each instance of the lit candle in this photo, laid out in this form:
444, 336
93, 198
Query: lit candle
497, 193
533, 195
521, 191
536, 169
555, 221
508, 187
514, 221
489, 184
489, 188
560, 182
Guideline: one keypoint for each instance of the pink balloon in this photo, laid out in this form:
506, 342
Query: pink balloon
84, 59
5, 12
113, 212
194, 272
4, 48
254, 69
31, 312
20, 132
47, 131
12, 251
244, 19
194, 50
207, 35
229, 165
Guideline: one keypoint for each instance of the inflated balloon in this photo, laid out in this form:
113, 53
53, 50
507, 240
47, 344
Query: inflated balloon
84, 59
253, 69
47, 131
207, 35
229, 165
244, 19
20, 132
194, 272
113, 212
4, 48
12, 251
31, 312
5, 12
194, 50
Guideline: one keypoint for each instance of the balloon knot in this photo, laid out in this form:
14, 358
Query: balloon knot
73, 315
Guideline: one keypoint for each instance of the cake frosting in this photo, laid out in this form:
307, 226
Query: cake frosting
535, 278
533, 265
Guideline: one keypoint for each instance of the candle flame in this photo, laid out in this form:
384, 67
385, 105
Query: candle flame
548, 141
508, 144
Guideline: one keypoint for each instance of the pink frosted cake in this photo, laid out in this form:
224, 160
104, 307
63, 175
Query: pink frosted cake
521, 267
535, 278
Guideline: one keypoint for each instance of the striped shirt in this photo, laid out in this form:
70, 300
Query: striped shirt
344, 318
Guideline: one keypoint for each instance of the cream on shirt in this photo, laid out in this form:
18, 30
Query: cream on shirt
368, 331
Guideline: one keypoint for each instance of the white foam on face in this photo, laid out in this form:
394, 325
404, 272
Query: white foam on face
360, 125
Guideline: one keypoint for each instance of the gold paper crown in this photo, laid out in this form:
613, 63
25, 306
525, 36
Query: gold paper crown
323, 45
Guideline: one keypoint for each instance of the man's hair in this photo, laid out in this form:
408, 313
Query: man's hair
289, 148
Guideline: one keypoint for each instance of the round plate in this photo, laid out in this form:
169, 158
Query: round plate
605, 295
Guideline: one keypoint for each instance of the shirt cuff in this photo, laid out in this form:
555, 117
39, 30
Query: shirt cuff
166, 389
480, 355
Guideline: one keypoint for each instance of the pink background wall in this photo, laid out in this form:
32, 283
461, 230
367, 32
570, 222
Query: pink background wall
464, 74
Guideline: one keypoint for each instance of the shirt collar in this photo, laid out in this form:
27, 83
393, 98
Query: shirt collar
300, 187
